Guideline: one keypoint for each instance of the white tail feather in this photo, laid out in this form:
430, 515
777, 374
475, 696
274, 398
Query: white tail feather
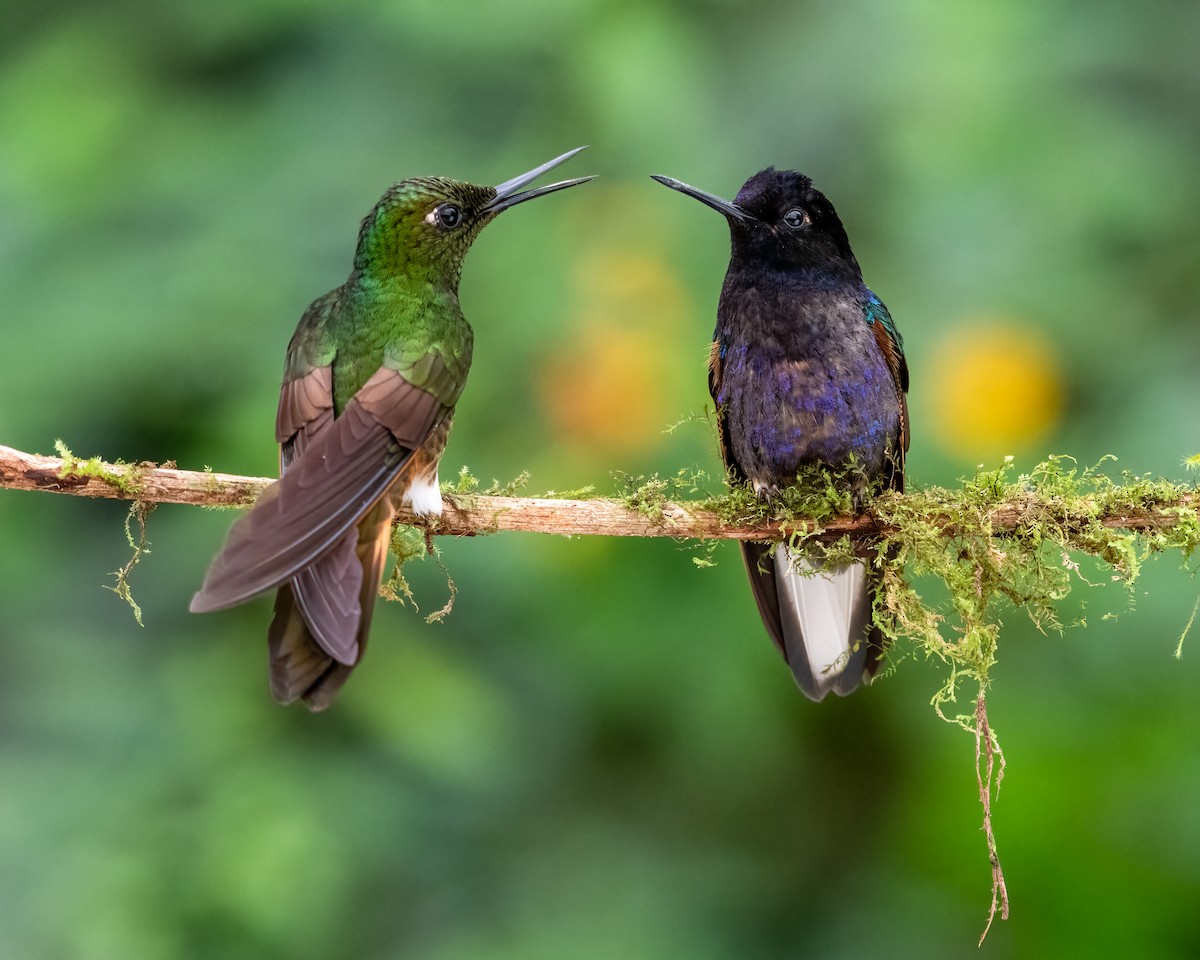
825, 616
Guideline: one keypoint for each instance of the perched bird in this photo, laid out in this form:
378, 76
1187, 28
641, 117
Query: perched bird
370, 382
807, 368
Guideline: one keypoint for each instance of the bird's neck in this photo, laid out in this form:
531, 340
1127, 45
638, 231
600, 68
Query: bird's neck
411, 274
391, 309
404, 290
760, 282
762, 304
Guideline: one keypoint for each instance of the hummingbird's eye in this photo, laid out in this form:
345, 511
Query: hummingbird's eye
795, 219
448, 216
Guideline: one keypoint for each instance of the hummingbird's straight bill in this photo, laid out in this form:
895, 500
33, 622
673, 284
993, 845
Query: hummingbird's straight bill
370, 383
507, 195
720, 204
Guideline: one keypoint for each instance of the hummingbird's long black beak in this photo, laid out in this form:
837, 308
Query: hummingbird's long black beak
721, 205
507, 194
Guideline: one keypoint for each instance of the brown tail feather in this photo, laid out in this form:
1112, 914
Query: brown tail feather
299, 668
297, 662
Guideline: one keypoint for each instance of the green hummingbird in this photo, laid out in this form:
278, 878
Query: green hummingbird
370, 382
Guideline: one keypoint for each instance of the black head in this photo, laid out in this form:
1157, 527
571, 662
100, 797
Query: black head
780, 218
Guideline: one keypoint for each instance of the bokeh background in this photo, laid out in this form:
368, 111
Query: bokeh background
599, 753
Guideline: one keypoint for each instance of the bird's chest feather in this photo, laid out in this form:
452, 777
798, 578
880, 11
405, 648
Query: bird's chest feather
801, 380
422, 335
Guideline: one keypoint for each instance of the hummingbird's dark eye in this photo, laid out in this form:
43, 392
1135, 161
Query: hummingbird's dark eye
448, 216
795, 219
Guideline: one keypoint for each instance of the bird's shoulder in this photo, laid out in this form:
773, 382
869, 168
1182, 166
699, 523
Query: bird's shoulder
314, 342
431, 367
887, 335
891, 345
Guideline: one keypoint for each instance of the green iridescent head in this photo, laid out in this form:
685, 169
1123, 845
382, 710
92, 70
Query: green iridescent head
423, 227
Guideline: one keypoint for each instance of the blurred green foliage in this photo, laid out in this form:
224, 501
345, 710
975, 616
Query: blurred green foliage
598, 754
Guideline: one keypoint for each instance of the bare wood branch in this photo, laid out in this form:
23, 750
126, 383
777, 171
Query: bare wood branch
469, 514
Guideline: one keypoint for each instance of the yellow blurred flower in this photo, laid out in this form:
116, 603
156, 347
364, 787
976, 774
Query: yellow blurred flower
994, 388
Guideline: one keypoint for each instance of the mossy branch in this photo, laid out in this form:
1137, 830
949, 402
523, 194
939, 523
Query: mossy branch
639, 514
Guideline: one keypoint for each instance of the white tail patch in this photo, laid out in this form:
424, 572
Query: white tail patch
425, 496
825, 616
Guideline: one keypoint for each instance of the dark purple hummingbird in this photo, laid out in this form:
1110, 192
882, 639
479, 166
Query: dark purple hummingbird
807, 369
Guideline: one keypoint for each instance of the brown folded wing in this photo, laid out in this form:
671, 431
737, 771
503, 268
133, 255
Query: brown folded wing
335, 471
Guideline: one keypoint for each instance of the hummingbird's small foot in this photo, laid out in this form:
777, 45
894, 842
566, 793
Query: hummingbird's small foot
766, 491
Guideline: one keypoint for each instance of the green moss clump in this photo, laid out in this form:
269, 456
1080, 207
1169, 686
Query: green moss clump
415, 543
818, 495
465, 484
650, 495
139, 510
126, 478
1064, 511
408, 543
